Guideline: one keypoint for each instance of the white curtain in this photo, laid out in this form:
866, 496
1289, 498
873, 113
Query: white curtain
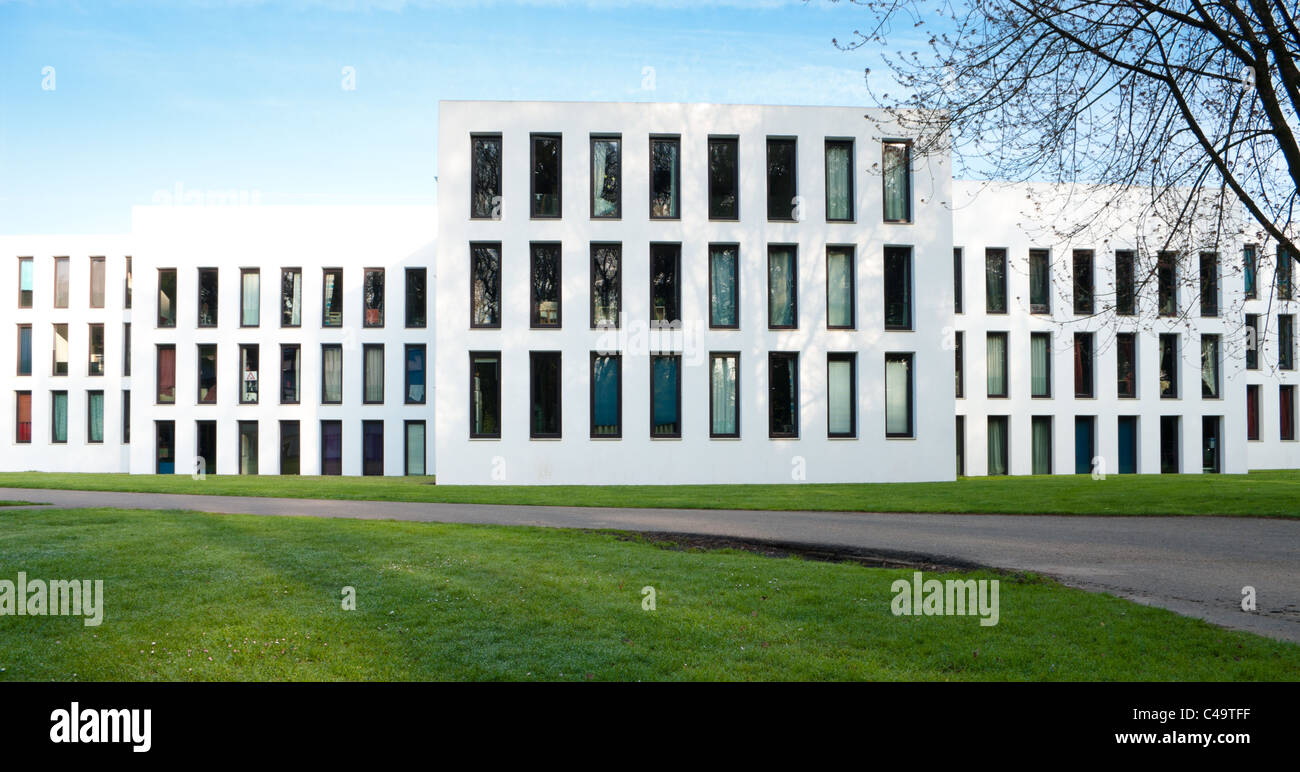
332, 364
996, 360
415, 448
374, 374
839, 395
1041, 363
722, 264
839, 287
898, 396
780, 288
837, 181
896, 177
252, 299
724, 395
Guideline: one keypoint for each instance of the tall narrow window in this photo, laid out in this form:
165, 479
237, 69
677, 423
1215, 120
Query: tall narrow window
724, 286
839, 180
1040, 281
248, 447
1125, 283
996, 359
23, 418
97, 283
126, 285
1084, 366
896, 165
1083, 282
1126, 365
485, 179
166, 297
331, 447
1166, 283
898, 395
545, 178
26, 282
544, 394
841, 395
1209, 284
606, 395
60, 349
544, 271
249, 370
126, 416
1286, 341
485, 285
665, 177
207, 374
58, 417
898, 288
165, 375
998, 452
961, 445
782, 186
782, 394
1285, 268
1041, 428
782, 287
1252, 411
24, 349
332, 297
372, 448
724, 179
1286, 412
484, 394
1210, 367
959, 361
372, 297
1168, 366
61, 279
416, 300
290, 373
126, 349
1252, 341
606, 285
724, 394
414, 447
840, 288
957, 280
372, 373
95, 360
95, 417
1040, 361
331, 373
165, 447
250, 297
607, 177
415, 373
208, 293
666, 395
665, 285
1250, 271
290, 297
995, 281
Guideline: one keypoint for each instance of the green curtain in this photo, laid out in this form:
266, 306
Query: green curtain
723, 382
838, 174
1041, 360
95, 417
1042, 431
60, 408
997, 359
997, 445
839, 287
780, 287
374, 373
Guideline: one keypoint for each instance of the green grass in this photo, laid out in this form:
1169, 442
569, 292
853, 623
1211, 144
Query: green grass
16, 503
204, 597
1261, 494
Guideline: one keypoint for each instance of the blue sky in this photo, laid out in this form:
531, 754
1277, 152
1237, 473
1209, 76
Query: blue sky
248, 96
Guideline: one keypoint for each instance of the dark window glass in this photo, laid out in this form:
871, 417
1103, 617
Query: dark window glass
1252, 341
1083, 282
898, 288
1126, 365
959, 362
606, 395
485, 193
1040, 281
957, 280
416, 300
782, 394
896, 163
290, 373
1083, 365
1285, 268
1286, 412
290, 297
1166, 277
995, 281
248, 447
372, 297
205, 446
332, 294
839, 180
126, 349
1168, 366
1209, 284
544, 394
665, 396
126, 416
1210, 367
606, 177
1125, 283
484, 394
781, 179
290, 448
61, 343
95, 365
165, 447
724, 285
545, 201
724, 179
665, 177
485, 285
166, 297
207, 374
1250, 267
1252, 412
58, 417
372, 447
1286, 342
24, 349
208, 297
998, 452
665, 287
606, 284
415, 373
331, 447
126, 285
545, 272
782, 287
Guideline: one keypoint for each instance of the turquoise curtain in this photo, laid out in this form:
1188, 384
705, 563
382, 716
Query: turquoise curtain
95, 417
723, 394
252, 310
1041, 364
604, 373
780, 287
1042, 436
722, 269
25, 275
838, 174
839, 395
665, 394
997, 445
60, 410
839, 287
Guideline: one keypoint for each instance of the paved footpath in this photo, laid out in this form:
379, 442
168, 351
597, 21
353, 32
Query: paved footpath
1192, 565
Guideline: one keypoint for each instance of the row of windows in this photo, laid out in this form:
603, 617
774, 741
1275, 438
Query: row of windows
290, 447
1086, 443
605, 271
290, 366
95, 361
59, 417
1285, 411
1084, 349
1285, 341
373, 297
546, 189
62, 278
605, 395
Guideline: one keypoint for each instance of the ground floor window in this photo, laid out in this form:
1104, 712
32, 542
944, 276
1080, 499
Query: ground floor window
1041, 429
898, 395
841, 395
484, 394
666, 396
724, 395
58, 416
1286, 409
415, 448
165, 447
24, 417
372, 447
95, 416
205, 447
290, 452
248, 447
544, 394
331, 447
1170, 435
606, 395
782, 394
997, 437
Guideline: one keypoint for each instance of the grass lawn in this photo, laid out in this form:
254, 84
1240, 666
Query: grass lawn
1264, 493
198, 596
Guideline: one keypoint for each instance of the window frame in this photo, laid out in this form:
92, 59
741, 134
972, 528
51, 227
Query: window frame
1042, 260
103, 282
1216, 343
534, 307
31, 272
727, 435
62, 264
244, 348
853, 286
474, 189
677, 280
407, 348
794, 287
671, 139
1089, 366
735, 282
1209, 309
198, 370
324, 306
793, 141
1006, 301
158, 371
382, 273
283, 272
910, 214
793, 358
244, 273
958, 281
1175, 386
424, 297
734, 141
366, 348
342, 380
910, 358
909, 288
618, 407
591, 170
852, 358
496, 355
1006, 357
533, 138
496, 287
677, 358
594, 247
216, 295
1036, 334
297, 389
852, 193
533, 357
1135, 379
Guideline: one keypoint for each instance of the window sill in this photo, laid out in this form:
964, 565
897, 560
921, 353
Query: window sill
484, 439
912, 437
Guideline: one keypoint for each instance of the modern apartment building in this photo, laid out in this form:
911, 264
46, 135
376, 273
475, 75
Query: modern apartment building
655, 293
